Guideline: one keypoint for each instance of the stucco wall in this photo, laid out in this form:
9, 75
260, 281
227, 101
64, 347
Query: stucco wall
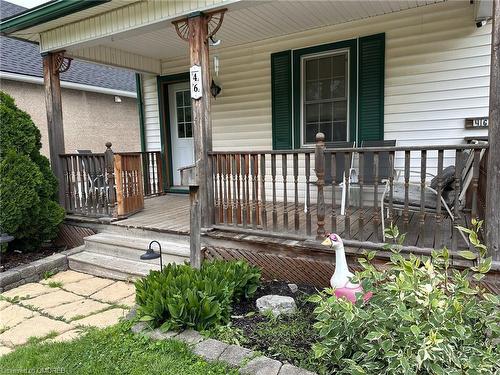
90, 119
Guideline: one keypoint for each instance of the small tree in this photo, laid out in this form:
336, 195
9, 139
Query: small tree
28, 189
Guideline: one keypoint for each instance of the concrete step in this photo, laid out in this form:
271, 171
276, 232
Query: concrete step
127, 247
109, 266
150, 234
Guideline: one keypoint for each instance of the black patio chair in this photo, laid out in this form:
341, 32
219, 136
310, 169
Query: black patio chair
384, 165
339, 161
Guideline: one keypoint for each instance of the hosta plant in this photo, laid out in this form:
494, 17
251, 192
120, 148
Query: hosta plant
183, 297
243, 278
423, 318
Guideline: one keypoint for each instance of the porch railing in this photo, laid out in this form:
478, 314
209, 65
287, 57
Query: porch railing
110, 184
354, 192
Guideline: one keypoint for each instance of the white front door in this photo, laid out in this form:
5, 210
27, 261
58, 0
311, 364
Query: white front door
181, 128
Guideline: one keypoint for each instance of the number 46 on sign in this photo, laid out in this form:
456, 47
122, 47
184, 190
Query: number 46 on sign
196, 82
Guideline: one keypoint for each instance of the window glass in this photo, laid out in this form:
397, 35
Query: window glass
324, 96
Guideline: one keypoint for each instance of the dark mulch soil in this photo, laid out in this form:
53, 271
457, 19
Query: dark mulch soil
289, 338
14, 258
281, 288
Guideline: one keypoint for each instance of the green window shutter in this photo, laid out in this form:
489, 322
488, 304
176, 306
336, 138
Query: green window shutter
281, 96
371, 87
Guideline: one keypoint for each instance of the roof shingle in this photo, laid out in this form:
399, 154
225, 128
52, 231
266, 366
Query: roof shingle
21, 57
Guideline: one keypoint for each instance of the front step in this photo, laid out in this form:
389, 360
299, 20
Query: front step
117, 256
109, 266
133, 247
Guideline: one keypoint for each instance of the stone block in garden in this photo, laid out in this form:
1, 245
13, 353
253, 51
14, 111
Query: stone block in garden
276, 304
210, 349
157, 334
131, 314
27, 271
293, 288
139, 327
288, 369
189, 336
234, 355
261, 366
9, 277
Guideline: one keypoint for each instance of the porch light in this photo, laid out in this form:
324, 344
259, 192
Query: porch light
215, 89
5, 238
150, 253
214, 42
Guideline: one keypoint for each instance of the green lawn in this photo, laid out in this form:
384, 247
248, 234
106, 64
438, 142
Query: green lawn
111, 351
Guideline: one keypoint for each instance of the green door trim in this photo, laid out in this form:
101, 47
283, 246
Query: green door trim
162, 83
352, 46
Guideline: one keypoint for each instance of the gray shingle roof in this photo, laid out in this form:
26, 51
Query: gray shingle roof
21, 57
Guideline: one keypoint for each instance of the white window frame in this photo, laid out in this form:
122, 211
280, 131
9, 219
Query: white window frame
303, 58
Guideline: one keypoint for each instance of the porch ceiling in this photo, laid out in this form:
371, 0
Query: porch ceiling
246, 21
249, 21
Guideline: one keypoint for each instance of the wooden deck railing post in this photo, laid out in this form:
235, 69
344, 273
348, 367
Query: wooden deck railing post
319, 168
109, 161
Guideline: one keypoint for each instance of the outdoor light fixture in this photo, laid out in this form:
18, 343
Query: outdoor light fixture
481, 23
5, 238
150, 254
215, 89
214, 42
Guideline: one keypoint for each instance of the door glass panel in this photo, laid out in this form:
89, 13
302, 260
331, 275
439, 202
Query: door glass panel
189, 130
325, 101
179, 100
183, 104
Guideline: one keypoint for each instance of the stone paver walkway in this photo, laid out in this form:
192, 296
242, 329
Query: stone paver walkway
59, 307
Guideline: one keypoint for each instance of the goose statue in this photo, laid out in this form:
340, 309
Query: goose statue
341, 279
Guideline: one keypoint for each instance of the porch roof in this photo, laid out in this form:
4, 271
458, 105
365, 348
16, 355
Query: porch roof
140, 35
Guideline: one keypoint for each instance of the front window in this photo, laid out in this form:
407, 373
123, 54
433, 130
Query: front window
325, 95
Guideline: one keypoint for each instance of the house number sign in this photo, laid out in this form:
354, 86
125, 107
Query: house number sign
196, 82
476, 122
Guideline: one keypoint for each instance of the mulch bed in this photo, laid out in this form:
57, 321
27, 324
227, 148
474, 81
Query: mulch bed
14, 258
251, 324
281, 288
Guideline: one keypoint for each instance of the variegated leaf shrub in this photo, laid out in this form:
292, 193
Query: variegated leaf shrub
423, 318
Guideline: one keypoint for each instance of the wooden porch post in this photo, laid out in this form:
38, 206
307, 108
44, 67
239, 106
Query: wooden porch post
53, 64
196, 29
202, 123
492, 216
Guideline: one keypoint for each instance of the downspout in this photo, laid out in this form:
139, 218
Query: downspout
140, 110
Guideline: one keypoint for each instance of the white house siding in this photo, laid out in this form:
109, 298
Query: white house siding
436, 75
151, 113
132, 15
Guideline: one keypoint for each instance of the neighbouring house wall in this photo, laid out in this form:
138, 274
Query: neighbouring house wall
90, 119
436, 75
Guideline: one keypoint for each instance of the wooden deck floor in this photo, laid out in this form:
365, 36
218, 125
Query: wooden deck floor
164, 213
171, 213
416, 233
